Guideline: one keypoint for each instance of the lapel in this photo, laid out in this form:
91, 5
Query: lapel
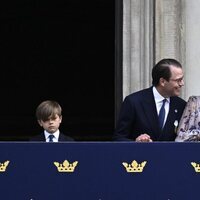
150, 111
169, 127
172, 115
41, 137
60, 138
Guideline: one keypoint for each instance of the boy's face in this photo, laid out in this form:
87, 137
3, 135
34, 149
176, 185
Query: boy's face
52, 124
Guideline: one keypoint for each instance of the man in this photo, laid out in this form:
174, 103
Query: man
138, 119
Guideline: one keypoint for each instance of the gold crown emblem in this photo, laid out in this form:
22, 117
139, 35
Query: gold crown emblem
66, 166
134, 166
3, 166
196, 166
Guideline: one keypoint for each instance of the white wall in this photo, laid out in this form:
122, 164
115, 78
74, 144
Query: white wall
192, 68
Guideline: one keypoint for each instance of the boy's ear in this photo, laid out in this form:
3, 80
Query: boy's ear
60, 118
39, 122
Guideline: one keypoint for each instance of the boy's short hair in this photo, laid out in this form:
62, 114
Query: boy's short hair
48, 109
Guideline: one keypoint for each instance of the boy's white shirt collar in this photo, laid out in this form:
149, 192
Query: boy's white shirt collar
56, 135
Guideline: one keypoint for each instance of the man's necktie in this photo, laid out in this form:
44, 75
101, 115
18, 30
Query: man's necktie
161, 115
51, 138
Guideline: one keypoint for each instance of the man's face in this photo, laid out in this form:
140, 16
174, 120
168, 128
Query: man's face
173, 86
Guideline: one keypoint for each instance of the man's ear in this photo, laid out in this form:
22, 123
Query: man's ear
162, 81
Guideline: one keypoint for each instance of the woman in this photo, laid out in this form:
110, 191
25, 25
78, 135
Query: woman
189, 126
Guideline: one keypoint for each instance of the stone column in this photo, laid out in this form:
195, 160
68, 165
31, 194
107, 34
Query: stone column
137, 44
170, 31
152, 30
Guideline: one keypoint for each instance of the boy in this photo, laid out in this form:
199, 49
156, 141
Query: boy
49, 117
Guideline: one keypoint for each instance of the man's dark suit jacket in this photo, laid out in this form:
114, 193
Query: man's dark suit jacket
138, 115
61, 138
